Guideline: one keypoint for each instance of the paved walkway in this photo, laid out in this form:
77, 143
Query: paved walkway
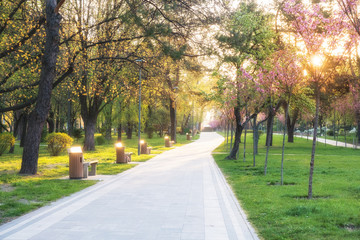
330, 142
180, 194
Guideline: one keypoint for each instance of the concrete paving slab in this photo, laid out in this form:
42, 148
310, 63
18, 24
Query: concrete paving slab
178, 195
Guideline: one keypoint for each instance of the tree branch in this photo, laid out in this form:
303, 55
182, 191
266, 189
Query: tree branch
27, 36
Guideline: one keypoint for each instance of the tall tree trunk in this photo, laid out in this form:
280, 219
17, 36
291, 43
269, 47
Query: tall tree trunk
129, 130
90, 128
57, 120
290, 124
108, 120
38, 116
70, 124
186, 123
283, 145
238, 130
244, 152
255, 133
268, 143
50, 121
316, 121
227, 127
172, 120
269, 127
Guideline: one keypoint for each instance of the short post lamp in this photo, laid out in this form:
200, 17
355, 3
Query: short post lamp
188, 136
76, 160
167, 141
143, 147
120, 153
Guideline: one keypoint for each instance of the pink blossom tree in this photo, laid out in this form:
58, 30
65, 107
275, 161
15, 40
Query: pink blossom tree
320, 34
350, 10
246, 40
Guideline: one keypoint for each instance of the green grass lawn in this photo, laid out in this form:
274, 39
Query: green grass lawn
284, 212
20, 194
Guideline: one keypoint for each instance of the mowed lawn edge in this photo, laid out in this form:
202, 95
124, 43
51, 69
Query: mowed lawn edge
20, 194
284, 212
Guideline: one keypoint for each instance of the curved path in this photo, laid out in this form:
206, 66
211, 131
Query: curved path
179, 194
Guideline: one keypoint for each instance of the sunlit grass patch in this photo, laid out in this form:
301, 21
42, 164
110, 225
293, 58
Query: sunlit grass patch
284, 212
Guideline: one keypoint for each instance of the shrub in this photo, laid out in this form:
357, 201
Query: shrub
77, 133
341, 132
100, 140
330, 133
6, 140
260, 132
58, 142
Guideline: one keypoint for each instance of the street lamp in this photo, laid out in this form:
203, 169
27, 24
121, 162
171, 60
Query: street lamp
139, 127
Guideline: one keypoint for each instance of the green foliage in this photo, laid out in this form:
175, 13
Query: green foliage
58, 142
6, 140
249, 35
100, 140
77, 133
330, 133
342, 132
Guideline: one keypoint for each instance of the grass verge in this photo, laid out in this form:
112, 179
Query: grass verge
20, 194
284, 212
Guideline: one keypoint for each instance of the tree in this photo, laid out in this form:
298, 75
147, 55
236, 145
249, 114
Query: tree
38, 116
320, 33
247, 38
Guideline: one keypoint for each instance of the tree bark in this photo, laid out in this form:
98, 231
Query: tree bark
238, 130
70, 124
255, 136
90, 128
129, 130
50, 121
244, 152
108, 121
316, 121
283, 145
291, 122
269, 127
57, 119
38, 116
268, 143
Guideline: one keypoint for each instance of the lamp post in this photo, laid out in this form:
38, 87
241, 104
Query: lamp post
139, 127
191, 104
